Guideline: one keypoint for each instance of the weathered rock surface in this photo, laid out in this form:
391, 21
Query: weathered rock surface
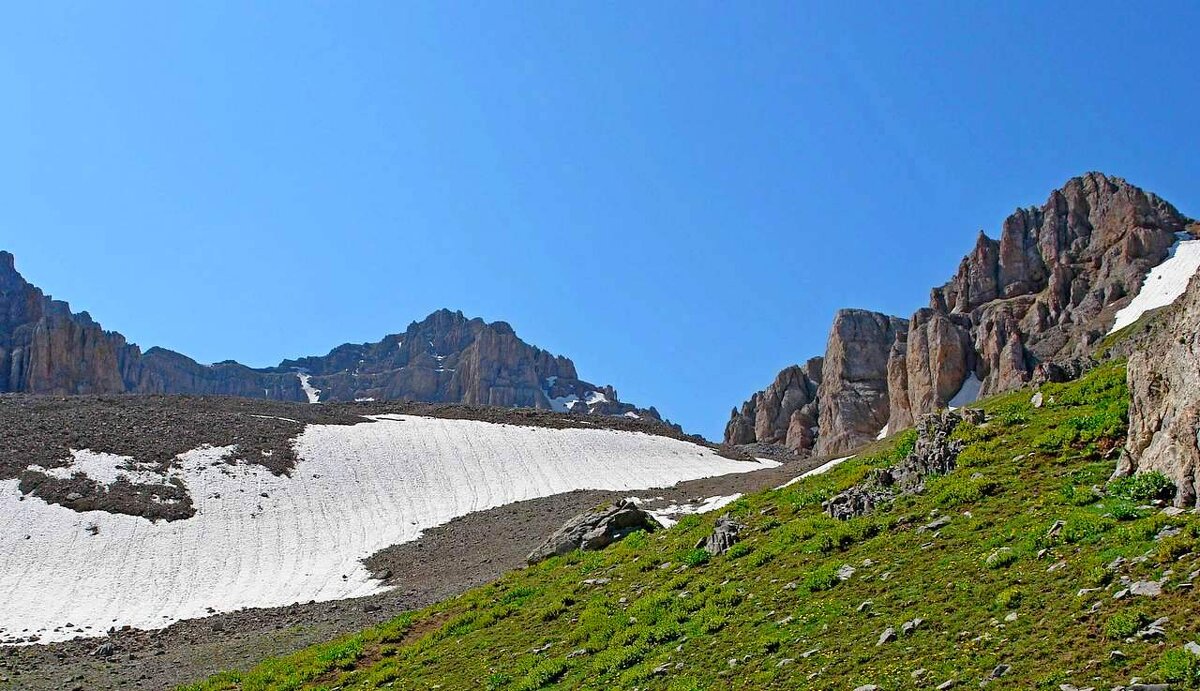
595, 529
1030, 306
784, 413
724, 536
1164, 410
934, 453
445, 358
853, 399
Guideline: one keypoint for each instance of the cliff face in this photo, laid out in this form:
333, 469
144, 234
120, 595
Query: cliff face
445, 358
1163, 375
853, 397
46, 349
1045, 292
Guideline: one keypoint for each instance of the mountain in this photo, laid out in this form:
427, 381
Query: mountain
445, 358
1028, 306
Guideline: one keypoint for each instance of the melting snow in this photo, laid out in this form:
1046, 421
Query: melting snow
824, 467
105, 468
671, 514
563, 403
260, 540
967, 394
595, 397
313, 393
882, 433
1165, 282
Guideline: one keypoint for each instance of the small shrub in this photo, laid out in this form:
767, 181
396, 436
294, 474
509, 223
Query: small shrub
636, 540
695, 557
1079, 496
740, 549
618, 658
820, 579
1171, 548
1000, 558
542, 675
1009, 598
1179, 666
1143, 487
1123, 510
1122, 625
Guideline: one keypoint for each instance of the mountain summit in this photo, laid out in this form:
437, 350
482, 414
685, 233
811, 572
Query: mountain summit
1020, 308
444, 358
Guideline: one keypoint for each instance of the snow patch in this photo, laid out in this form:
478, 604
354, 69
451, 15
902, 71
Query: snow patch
967, 394
1165, 282
882, 433
261, 540
671, 514
823, 468
312, 393
104, 468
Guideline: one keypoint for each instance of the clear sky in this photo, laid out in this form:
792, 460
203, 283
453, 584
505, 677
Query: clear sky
676, 195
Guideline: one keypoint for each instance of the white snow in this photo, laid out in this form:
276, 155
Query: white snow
967, 394
355, 490
594, 397
882, 433
1165, 282
670, 515
104, 468
824, 467
313, 393
632, 415
563, 404
364, 400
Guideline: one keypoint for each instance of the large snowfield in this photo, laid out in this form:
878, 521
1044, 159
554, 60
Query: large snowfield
258, 540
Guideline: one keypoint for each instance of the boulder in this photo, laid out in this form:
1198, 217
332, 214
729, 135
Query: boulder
724, 536
594, 530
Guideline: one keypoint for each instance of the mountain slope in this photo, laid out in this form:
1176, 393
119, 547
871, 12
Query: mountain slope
1013, 571
1019, 308
445, 358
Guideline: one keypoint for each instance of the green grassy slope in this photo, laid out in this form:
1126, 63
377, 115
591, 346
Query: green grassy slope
991, 586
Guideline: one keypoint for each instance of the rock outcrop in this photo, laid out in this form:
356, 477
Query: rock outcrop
1029, 306
595, 529
784, 413
853, 398
933, 454
445, 358
1164, 410
46, 349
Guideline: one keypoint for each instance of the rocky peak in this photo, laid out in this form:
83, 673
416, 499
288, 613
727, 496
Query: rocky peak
444, 358
1046, 292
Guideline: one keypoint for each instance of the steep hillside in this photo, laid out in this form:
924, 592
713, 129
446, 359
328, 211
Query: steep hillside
445, 358
1019, 309
1018, 568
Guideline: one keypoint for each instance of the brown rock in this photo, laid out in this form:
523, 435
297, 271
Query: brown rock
853, 398
1163, 375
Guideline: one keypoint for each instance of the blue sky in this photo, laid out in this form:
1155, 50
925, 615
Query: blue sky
676, 195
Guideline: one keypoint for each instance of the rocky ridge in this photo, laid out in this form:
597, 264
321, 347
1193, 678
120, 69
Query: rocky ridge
445, 358
1163, 375
1030, 305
